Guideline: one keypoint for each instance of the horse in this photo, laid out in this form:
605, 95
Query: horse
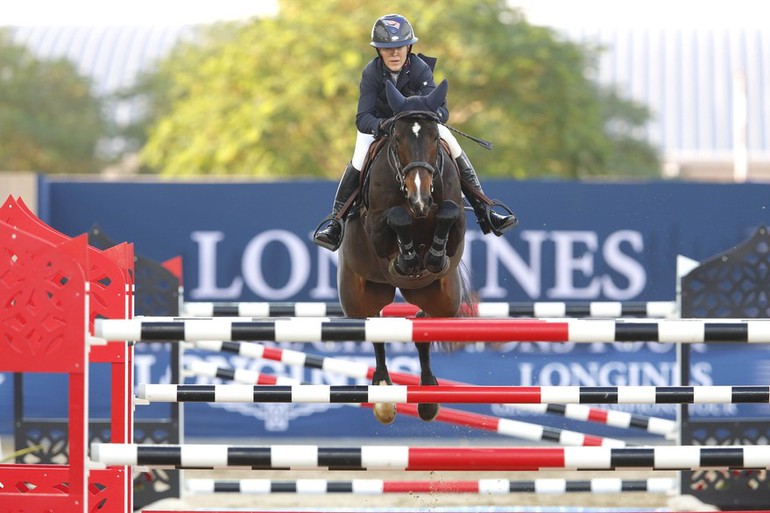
408, 232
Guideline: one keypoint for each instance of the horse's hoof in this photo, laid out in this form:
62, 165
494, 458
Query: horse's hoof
436, 265
428, 411
385, 412
396, 270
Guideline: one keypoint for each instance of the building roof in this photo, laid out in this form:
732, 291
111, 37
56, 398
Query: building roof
693, 80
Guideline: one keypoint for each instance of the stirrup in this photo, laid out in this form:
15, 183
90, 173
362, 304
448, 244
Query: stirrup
488, 218
329, 220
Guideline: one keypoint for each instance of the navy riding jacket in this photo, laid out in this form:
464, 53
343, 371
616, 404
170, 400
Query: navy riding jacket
415, 78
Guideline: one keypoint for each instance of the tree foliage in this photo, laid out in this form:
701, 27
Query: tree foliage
277, 96
49, 119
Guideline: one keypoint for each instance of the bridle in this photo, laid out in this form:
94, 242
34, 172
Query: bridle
399, 169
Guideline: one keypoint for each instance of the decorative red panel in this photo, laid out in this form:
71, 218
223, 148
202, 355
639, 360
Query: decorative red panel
106, 272
43, 294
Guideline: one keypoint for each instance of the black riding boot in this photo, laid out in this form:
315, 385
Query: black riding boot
488, 219
331, 237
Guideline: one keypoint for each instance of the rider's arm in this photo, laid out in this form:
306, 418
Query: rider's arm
366, 121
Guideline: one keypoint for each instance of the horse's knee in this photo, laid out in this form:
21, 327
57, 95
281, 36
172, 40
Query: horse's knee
398, 218
448, 211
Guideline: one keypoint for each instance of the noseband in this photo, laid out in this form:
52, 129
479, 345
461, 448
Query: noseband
398, 168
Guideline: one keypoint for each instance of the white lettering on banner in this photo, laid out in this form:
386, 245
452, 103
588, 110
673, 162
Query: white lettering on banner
570, 260
529, 277
700, 374
143, 364
578, 256
598, 374
632, 270
298, 258
325, 286
632, 347
207, 269
574, 253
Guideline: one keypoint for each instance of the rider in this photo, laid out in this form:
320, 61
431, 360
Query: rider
393, 37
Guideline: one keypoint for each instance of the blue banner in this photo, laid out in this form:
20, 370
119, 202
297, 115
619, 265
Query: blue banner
250, 241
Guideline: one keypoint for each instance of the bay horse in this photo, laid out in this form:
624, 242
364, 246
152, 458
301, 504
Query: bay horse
408, 233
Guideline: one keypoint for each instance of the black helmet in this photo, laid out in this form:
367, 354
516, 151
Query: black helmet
392, 31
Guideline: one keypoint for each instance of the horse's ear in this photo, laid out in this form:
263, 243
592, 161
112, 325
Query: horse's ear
395, 98
437, 97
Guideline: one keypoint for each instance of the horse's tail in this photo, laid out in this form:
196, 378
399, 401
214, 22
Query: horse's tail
469, 299
468, 306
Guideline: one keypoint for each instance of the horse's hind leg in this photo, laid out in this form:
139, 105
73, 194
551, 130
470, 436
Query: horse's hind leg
361, 298
442, 298
427, 411
385, 412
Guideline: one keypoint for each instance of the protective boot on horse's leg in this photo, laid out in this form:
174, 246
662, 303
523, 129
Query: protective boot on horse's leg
384, 412
331, 237
488, 219
436, 260
427, 411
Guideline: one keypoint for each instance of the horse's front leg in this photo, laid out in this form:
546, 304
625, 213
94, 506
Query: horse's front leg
398, 219
427, 411
436, 260
384, 412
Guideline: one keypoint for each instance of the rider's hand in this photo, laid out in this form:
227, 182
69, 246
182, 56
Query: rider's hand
381, 126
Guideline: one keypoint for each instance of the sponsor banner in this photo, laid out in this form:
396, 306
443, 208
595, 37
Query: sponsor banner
577, 241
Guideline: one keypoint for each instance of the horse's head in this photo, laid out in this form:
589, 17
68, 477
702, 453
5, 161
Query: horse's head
413, 150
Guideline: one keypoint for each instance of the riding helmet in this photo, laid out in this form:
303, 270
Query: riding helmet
392, 31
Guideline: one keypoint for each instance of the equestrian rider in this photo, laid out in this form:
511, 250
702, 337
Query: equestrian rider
393, 37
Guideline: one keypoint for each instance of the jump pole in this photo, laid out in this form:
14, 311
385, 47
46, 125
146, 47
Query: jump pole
605, 309
435, 330
656, 485
506, 458
501, 426
463, 394
358, 370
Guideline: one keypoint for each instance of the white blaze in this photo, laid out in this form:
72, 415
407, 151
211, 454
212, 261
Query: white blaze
416, 129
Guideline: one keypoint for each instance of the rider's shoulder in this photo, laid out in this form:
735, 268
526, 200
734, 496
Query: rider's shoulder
374, 67
421, 62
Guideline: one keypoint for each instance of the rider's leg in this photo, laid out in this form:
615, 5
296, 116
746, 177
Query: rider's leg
488, 219
331, 236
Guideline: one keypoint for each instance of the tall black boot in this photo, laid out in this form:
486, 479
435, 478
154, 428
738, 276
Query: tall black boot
331, 237
488, 219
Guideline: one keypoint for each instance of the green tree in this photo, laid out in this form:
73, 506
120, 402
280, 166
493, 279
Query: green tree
277, 97
49, 119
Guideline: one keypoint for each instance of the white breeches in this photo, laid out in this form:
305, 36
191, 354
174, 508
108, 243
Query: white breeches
363, 141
